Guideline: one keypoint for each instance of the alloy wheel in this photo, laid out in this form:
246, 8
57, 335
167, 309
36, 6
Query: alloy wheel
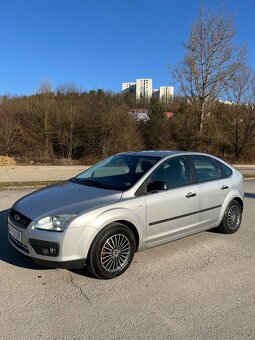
233, 217
115, 253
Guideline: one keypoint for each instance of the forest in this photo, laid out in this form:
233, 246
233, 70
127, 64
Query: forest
64, 123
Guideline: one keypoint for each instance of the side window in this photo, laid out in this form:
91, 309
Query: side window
144, 165
205, 168
226, 171
175, 172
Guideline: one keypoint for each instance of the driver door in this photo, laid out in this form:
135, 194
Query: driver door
172, 212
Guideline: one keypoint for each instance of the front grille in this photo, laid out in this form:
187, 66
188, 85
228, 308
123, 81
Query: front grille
18, 244
19, 219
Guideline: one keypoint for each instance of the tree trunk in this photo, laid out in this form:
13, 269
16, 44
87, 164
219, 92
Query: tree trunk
46, 125
237, 148
70, 144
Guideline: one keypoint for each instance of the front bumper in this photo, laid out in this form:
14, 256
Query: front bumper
75, 264
67, 249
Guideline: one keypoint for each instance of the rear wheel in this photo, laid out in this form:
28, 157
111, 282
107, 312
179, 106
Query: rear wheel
112, 251
232, 218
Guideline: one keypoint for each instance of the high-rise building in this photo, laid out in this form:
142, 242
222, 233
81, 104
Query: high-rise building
128, 87
166, 93
143, 88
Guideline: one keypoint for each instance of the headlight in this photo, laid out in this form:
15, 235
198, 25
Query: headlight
53, 223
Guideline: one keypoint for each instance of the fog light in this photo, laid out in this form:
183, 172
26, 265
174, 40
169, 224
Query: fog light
44, 247
52, 251
49, 251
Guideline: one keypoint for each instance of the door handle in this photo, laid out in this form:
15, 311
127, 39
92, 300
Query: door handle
191, 194
224, 187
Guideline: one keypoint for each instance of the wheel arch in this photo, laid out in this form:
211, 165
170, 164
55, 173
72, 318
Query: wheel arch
239, 200
232, 195
134, 230
126, 217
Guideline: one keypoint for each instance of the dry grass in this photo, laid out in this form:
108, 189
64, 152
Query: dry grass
34, 184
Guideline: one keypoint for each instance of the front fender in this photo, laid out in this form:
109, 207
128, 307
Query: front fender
121, 214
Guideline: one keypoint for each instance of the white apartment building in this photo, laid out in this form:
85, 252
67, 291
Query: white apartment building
143, 88
128, 87
166, 93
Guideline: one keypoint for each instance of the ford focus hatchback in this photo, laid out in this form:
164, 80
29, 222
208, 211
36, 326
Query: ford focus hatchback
128, 202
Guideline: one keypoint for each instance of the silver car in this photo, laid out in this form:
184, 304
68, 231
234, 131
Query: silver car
128, 202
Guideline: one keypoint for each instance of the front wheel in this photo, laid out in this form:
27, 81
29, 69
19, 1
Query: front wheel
232, 218
112, 251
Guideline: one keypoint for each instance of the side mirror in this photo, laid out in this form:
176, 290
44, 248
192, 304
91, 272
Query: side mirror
156, 186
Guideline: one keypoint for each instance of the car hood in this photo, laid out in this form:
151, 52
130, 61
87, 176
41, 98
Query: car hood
64, 198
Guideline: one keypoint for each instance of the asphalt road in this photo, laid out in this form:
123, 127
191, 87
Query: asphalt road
200, 287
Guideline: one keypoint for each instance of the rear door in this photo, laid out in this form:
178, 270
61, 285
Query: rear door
213, 188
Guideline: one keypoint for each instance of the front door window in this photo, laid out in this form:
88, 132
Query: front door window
175, 172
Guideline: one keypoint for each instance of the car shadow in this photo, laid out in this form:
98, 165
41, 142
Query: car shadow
8, 253
249, 195
83, 272
214, 231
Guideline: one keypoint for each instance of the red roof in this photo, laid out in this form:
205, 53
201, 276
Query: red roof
169, 114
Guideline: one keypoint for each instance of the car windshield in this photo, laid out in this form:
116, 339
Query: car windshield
118, 172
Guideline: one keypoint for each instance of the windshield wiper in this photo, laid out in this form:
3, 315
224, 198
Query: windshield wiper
91, 183
74, 179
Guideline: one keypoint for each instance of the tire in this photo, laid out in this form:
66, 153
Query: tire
232, 218
111, 252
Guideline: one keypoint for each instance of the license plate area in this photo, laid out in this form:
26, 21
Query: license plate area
16, 234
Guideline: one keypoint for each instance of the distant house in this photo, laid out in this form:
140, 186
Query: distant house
139, 114
227, 102
169, 115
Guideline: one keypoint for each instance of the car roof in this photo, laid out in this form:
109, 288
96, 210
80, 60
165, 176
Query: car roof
156, 153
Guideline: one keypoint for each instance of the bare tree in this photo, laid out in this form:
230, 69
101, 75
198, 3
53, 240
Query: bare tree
240, 89
45, 90
241, 115
10, 129
210, 62
70, 94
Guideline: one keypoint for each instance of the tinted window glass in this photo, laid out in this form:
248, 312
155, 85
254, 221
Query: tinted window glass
225, 169
205, 168
175, 172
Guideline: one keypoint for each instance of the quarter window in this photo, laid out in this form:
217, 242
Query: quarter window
205, 169
227, 172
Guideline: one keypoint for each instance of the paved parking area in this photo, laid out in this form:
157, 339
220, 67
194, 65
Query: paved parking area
200, 287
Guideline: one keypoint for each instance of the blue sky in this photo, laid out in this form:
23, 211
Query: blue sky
102, 43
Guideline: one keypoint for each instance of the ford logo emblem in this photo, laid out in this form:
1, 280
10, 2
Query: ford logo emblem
16, 217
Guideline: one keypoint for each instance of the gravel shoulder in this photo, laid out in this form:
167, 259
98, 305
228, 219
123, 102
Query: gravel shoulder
39, 173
